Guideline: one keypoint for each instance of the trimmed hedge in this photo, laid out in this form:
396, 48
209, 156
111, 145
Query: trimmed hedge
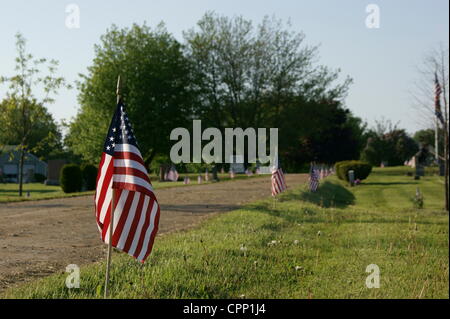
39, 178
71, 179
89, 173
362, 169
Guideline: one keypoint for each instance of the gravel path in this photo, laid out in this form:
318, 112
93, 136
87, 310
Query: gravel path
42, 237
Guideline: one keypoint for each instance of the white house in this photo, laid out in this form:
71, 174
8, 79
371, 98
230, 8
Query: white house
9, 165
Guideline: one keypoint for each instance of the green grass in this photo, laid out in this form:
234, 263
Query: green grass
10, 192
323, 244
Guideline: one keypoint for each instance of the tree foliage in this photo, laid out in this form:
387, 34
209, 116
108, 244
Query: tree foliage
155, 78
25, 113
228, 73
389, 144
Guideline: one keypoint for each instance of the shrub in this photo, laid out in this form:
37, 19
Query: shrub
71, 178
89, 173
39, 178
361, 169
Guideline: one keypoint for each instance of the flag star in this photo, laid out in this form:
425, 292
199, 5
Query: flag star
108, 147
113, 144
114, 129
111, 138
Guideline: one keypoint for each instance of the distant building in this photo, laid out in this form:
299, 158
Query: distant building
9, 165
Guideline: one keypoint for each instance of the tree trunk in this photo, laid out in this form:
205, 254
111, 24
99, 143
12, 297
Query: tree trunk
446, 167
21, 164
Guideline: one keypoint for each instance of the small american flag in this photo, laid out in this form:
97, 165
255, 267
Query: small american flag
313, 179
278, 182
437, 100
171, 174
136, 212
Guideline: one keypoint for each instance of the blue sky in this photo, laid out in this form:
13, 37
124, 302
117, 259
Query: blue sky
381, 61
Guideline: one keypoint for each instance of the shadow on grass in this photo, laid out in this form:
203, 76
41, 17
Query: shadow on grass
393, 183
327, 195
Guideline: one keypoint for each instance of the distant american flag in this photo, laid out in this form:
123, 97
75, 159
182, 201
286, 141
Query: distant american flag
136, 213
437, 100
278, 181
313, 179
171, 174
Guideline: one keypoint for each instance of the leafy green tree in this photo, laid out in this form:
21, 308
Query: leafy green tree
44, 139
245, 75
25, 116
266, 76
155, 86
388, 143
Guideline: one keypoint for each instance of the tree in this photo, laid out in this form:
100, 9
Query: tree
245, 75
25, 109
44, 140
426, 137
435, 65
155, 87
264, 76
387, 143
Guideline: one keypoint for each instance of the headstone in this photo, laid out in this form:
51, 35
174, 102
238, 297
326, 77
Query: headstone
53, 171
206, 175
214, 172
237, 164
351, 177
199, 179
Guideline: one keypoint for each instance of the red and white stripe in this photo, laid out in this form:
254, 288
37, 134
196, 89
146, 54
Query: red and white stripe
136, 212
278, 182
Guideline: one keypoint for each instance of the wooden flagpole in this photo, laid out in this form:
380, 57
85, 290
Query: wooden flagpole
111, 219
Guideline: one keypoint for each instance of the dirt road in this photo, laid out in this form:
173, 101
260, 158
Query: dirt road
42, 237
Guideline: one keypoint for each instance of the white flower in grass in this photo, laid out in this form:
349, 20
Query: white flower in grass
297, 268
272, 243
243, 248
319, 233
296, 242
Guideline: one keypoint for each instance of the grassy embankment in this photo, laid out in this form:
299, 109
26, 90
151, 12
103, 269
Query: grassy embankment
307, 246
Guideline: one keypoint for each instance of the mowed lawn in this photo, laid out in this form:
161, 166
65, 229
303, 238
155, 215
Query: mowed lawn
37, 191
303, 246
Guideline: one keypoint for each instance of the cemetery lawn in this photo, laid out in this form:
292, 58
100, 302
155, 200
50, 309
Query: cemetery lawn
303, 246
10, 192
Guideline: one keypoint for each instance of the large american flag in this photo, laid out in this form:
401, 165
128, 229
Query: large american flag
278, 181
313, 179
437, 99
136, 213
